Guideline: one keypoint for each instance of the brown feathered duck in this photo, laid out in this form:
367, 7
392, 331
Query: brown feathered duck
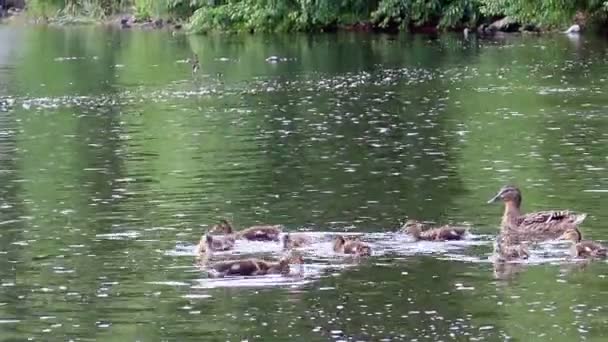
583, 248
215, 243
507, 250
248, 266
421, 231
295, 241
351, 246
542, 225
253, 233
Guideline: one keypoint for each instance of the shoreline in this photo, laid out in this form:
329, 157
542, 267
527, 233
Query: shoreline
126, 21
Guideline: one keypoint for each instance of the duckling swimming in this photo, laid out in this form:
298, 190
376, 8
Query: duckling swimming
215, 243
356, 247
445, 233
295, 241
254, 267
506, 249
541, 225
583, 248
253, 233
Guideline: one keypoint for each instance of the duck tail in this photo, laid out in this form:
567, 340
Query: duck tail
578, 219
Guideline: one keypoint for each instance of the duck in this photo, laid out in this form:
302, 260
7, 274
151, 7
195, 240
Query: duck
348, 246
542, 225
195, 64
444, 233
291, 241
215, 243
583, 248
250, 266
253, 233
506, 249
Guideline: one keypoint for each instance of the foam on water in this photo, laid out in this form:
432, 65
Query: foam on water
321, 260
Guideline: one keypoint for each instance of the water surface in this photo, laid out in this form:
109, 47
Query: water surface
114, 158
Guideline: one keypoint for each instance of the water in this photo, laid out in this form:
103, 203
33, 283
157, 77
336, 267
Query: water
114, 159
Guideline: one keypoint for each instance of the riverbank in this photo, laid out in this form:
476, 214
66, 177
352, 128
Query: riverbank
230, 18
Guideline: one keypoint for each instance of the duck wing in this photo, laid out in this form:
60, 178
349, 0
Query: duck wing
549, 224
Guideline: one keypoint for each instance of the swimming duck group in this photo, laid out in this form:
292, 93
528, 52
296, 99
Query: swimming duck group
516, 233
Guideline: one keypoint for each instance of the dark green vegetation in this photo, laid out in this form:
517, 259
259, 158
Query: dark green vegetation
113, 155
311, 15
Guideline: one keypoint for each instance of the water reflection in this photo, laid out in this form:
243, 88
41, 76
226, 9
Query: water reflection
114, 160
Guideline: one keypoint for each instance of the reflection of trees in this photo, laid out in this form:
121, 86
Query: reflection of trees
12, 223
520, 132
311, 138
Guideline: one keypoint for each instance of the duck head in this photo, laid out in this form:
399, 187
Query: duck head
291, 258
222, 227
412, 227
204, 250
205, 244
508, 194
339, 243
573, 235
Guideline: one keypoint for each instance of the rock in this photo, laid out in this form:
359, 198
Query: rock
124, 23
574, 29
529, 28
158, 23
505, 24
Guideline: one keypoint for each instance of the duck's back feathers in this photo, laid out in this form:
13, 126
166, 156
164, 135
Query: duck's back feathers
444, 233
246, 267
547, 224
261, 233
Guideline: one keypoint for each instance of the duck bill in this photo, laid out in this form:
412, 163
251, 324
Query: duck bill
494, 199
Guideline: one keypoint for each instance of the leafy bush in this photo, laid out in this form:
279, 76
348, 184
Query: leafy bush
308, 15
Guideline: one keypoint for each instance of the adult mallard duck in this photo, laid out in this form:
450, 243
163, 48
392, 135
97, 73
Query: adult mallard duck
215, 243
356, 247
444, 233
542, 225
295, 241
583, 248
254, 233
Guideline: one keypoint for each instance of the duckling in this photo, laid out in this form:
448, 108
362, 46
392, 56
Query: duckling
295, 241
583, 248
253, 233
506, 249
195, 64
255, 267
444, 233
542, 225
215, 243
344, 246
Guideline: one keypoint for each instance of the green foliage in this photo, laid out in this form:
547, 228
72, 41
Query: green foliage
444, 13
545, 12
309, 15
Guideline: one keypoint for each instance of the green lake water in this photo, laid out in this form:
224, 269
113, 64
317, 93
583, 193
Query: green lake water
114, 159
